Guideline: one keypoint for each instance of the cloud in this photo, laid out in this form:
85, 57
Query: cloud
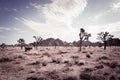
18, 30
59, 15
2, 29
113, 7
116, 6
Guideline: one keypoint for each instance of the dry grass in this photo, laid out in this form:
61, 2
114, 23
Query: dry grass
48, 63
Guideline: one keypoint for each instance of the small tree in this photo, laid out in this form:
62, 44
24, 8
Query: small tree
83, 36
3, 45
38, 40
21, 41
104, 37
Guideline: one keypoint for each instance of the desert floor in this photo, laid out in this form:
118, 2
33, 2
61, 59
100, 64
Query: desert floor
48, 63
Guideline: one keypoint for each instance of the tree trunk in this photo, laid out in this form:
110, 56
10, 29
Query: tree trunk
36, 45
105, 44
80, 45
21, 46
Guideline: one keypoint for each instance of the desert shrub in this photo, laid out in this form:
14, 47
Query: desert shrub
106, 74
5, 59
62, 52
118, 78
44, 64
31, 71
85, 76
67, 69
111, 64
36, 78
76, 62
17, 62
53, 75
103, 58
99, 66
46, 54
42, 50
89, 76
75, 57
88, 70
57, 61
88, 56
79, 63
35, 63
91, 52
112, 78
84, 52
66, 61
70, 78
28, 48
19, 56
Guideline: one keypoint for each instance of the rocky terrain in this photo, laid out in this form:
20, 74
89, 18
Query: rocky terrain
62, 63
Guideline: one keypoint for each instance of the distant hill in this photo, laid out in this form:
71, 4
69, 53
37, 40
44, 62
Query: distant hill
58, 42
52, 42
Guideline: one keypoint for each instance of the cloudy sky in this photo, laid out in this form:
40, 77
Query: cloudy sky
57, 18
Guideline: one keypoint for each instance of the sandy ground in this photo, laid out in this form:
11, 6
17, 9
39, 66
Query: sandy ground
48, 63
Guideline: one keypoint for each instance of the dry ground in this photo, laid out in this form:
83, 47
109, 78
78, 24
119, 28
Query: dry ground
48, 63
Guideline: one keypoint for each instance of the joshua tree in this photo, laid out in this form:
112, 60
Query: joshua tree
3, 45
21, 41
38, 40
83, 36
104, 37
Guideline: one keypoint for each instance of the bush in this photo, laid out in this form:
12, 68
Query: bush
36, 78
88, 56
112, 78
89, 76
5, 59
104, 58
35, 63
70, 78
99, 67
88, 70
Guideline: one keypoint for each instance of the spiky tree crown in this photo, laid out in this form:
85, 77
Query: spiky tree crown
83, 35
38, 38
104, 36
21, 40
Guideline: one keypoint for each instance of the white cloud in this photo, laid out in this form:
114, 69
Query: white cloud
4, 29
59, 16
18, 30
116, 6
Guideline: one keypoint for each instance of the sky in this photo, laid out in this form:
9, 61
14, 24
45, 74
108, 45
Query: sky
57, 19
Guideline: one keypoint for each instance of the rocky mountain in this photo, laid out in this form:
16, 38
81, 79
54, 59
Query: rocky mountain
59, 42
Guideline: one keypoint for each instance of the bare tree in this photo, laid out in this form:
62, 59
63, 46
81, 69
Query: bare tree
104, 37
83, 36
21, 41
38, 40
